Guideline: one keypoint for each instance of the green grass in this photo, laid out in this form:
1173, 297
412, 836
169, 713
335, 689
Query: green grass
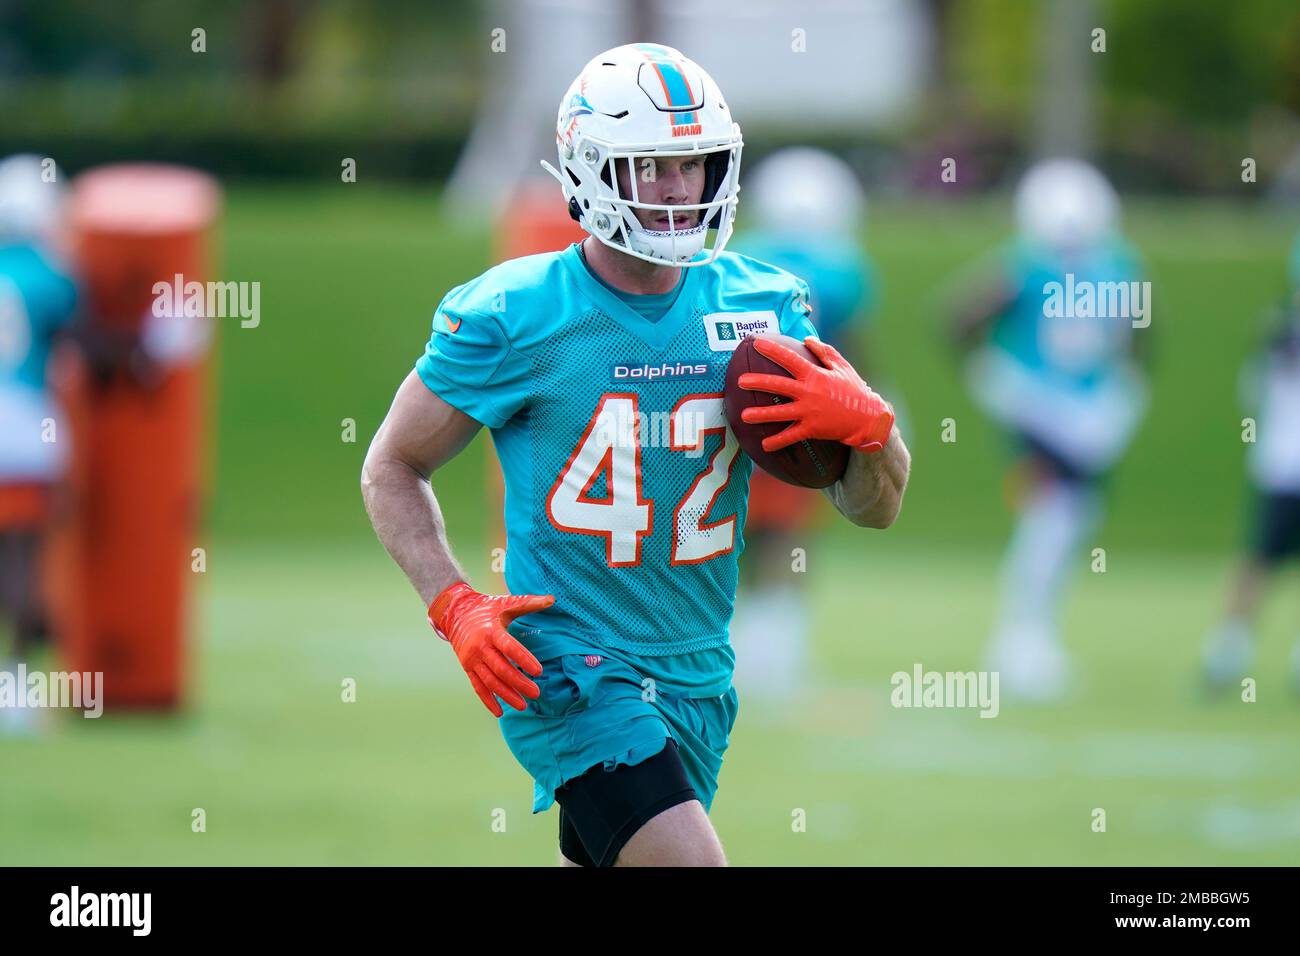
299, 596
413, 771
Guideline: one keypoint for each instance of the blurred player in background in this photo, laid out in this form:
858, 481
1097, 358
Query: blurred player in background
600, 372
1066, 388
1272, 387
806, 208
37, 302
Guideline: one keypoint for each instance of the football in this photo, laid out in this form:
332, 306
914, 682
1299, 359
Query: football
811, 463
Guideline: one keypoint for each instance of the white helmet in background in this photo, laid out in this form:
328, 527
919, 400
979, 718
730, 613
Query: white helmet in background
806, 190
644, 99
31, 198
1066, 205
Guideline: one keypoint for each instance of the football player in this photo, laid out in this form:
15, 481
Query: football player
37, 302
1273, 383
599, 371
1067, 387
807, 207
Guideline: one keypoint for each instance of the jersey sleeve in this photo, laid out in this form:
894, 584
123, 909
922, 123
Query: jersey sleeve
795, 317
469, 363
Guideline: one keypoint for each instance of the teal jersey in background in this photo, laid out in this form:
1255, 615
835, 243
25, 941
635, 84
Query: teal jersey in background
841, 278
1074, 353
1056, 372
36, 301
625, 492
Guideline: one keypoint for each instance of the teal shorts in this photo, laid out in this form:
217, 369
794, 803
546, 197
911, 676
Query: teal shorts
611, 708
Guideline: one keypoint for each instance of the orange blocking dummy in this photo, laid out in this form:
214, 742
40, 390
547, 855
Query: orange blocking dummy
125, 562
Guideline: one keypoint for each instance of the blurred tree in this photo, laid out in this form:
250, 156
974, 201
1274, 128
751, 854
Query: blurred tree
272, 27
1201, 61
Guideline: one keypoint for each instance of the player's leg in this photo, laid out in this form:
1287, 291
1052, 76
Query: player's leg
1230, 647
642, 815
15, 580
661, 750
18, 586
679, 836
1248, 588
1027, 650
22, 520
21, 570
770, 630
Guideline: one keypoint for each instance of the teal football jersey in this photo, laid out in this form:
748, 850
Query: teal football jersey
625, 491
36, 300
1078, 354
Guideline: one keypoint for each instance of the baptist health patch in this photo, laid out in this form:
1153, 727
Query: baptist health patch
726, 329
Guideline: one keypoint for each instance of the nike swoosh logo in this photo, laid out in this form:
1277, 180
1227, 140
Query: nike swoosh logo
455, 327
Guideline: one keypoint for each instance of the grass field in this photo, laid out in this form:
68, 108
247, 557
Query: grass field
298, 597
414, 770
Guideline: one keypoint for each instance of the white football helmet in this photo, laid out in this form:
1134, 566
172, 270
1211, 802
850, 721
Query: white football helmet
1066, 205
639, 100
31, 198
808, 191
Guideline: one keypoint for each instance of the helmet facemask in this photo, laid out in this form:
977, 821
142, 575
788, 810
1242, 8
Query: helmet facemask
637, 102
596, 201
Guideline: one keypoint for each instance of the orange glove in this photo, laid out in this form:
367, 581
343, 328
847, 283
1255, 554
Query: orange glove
830, 401
474, 625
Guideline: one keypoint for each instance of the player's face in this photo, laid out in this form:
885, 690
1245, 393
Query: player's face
668, 181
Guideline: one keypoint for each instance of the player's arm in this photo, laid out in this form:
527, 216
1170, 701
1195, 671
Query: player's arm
871, 492
977, 306
420, 434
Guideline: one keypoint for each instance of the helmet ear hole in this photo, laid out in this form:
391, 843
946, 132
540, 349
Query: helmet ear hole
574, 211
